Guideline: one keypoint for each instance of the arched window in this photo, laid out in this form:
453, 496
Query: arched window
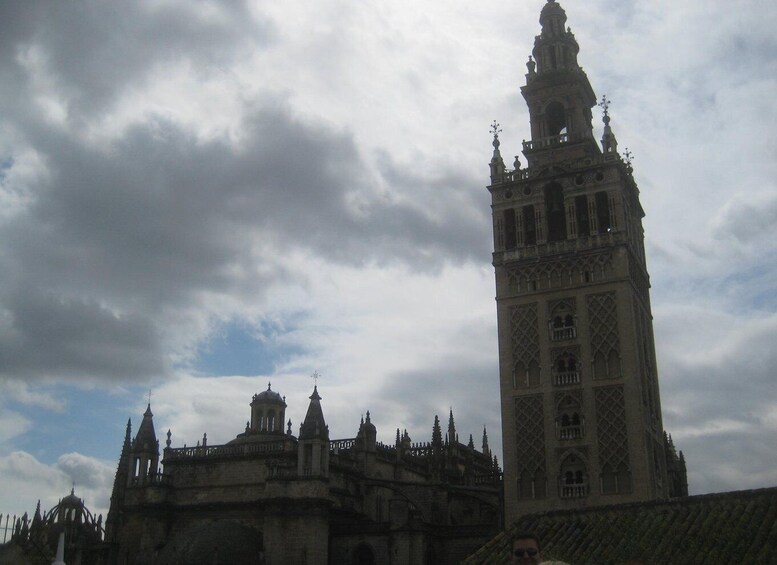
270, 421
563, 324
555, 119
616, 481
529, 226
613, 364
534, 374
603, 212
555, 212
569, 422
511, 237
573, 477
600, 366
363, 555
581, 216
565, 371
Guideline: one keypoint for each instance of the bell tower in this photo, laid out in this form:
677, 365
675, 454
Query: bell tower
581, 414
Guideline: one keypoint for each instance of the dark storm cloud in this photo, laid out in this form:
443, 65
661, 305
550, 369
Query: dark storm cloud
117, 243
75, 338
93, 50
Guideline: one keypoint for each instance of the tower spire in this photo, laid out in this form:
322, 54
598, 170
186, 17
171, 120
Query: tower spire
609, 143
497, 163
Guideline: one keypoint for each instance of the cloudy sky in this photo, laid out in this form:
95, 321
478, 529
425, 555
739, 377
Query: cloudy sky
202, 197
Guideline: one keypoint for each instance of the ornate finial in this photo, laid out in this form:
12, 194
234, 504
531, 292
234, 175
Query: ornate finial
517, 163
149, 396
629, 156
531, 65
269, 384
169, 435
604, 104
496, 130
315, 376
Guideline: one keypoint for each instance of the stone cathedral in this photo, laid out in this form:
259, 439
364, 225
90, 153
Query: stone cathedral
581, 412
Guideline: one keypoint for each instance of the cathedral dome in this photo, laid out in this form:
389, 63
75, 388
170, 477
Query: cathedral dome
71, 500
269, 396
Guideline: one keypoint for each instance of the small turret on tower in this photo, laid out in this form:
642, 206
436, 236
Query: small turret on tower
144, 458
313, 454
497, 163
609, 143
268, 412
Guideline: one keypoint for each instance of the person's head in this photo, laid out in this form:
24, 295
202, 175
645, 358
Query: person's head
525, 549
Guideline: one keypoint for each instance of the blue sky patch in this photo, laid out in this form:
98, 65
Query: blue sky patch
240, 349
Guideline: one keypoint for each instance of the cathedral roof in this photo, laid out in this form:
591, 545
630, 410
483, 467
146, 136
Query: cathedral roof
713, 529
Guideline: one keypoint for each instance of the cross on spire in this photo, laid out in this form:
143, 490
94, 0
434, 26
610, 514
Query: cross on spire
149, 396
315, 376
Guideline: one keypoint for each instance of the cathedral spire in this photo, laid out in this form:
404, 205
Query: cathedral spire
436, 433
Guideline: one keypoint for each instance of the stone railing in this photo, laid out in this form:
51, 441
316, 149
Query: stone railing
566, 378
337, 445
571, 432
579, 490
550, 141
564, 246
560, 334
221, 451
487, 479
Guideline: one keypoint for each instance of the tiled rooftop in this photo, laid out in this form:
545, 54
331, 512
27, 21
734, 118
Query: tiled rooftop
737, 527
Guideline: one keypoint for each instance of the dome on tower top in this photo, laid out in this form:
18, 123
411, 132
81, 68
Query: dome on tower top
552, 8
269, 396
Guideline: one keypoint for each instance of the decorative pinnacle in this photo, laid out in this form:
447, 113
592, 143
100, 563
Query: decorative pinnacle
495, 129
629, 156
604, 104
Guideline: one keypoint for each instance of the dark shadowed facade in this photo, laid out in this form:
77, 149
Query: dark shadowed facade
268, 497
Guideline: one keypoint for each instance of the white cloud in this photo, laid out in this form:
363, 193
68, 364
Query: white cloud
27, 480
